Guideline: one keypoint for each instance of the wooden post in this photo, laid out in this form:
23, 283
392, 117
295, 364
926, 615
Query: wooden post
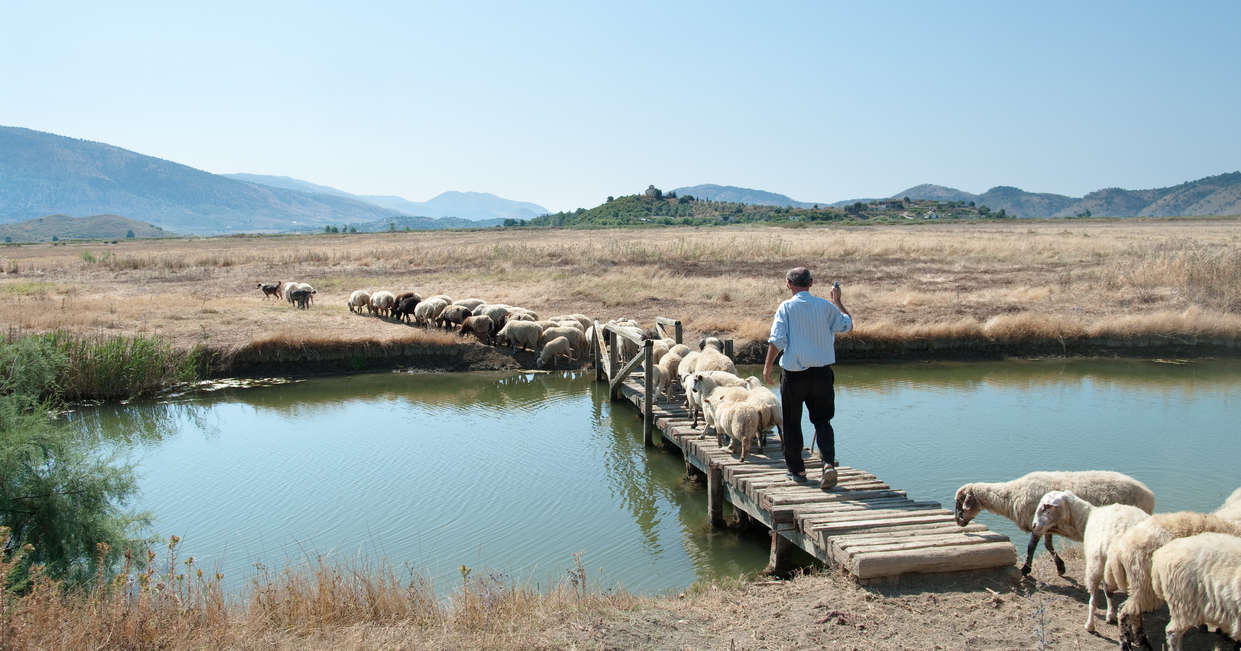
594, 352
778, 559
728, 348
715, 496
612, 362
648, 414
679, 331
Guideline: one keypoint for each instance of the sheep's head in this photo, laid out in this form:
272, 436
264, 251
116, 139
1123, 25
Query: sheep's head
967, 506
1050, 510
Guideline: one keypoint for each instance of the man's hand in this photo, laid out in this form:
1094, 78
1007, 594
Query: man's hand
768, 363
834, 294
767, 375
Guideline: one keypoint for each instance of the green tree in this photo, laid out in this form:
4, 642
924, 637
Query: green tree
353, 229
391, 226
60, 490
8, 239
129, 234
55, 238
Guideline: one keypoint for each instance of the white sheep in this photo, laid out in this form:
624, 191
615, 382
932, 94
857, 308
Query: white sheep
429, 310
1018, 499
737, 419
712, 358
1200, 579
522, 334
1097, 527
358, 300
664, 372
701, 384
290, 288
382, 302
469, 303
557, 347
1231, 508
680, 349
689, 363
1129, 562
773, 412
577, 341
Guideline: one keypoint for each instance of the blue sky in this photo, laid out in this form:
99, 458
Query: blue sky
565, 103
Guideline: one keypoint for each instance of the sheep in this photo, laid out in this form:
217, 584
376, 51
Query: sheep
736, 419
664, 372
553, 349
442, 297
469, 303
291, 287
358, 300
406, 308
659, 348
1097, 527
700, 384
498, 313
404, 295
382, 302
520, 333
772, 412
480, 325
427, 311
680, 349
523, 313
689, 363
1231, 508
452, 315
1200, 579
577, 341
1129, 562
712, 359
270, 289
1018, 499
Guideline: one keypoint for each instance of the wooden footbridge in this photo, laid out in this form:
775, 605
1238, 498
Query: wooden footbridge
862, 525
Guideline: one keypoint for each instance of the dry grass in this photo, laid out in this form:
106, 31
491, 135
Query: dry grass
1017, 280
173, 603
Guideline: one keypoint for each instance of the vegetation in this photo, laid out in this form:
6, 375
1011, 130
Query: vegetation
657, 208
61, 491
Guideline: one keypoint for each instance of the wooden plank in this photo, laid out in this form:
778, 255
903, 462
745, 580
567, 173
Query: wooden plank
943, 559
809, 510
919, 542
827, 529
896, 533
797, 494
872, 514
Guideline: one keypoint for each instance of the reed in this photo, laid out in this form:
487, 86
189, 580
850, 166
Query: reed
113, 367
166, 602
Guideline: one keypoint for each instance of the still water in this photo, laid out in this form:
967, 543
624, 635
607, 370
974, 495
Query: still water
517, 473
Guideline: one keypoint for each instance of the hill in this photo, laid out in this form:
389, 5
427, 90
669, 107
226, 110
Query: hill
43, 173
734, 194
64, 227
407, 223
465, 205
639, 210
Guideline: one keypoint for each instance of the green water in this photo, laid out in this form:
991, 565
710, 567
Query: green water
513, 474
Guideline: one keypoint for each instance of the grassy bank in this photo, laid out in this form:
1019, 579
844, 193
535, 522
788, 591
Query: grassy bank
107, 367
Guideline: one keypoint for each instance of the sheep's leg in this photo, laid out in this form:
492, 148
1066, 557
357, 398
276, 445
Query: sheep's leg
1112, 603
1025, 569
1054, 555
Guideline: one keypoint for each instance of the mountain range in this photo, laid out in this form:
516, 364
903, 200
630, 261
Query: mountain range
44, 174
1212, 195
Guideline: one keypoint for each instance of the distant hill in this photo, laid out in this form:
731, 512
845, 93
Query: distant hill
734, 194
466, 205
97, 227
425, 224
43, 173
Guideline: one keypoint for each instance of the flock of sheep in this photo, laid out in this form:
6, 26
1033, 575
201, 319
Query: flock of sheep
1191, 561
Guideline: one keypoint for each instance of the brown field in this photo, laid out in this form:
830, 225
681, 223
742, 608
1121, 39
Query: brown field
983, 280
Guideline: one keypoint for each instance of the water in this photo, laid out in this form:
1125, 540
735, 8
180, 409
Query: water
516, 473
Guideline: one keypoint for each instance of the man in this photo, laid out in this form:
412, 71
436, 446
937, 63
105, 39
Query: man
804, 329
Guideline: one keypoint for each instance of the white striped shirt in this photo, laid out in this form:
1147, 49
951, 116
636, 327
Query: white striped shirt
805, 329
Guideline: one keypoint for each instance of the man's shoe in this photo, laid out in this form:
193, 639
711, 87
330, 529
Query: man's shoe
801, 479
828, 480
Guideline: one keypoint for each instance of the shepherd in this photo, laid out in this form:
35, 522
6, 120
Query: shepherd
804, 330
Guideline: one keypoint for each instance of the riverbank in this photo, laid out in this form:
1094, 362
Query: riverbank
352, 608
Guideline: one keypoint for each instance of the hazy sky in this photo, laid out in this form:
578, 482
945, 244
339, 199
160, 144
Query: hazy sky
565, 103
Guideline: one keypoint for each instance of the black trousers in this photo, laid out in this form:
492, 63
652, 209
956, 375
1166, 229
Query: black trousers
816, 387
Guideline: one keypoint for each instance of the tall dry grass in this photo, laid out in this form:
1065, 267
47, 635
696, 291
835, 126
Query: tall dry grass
169, 602
1021, 280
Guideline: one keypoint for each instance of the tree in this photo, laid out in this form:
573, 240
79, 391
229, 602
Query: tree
60, 490
610, 199
129, 234
391, 226
55, 238
353, 229
8, 239
510, 222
